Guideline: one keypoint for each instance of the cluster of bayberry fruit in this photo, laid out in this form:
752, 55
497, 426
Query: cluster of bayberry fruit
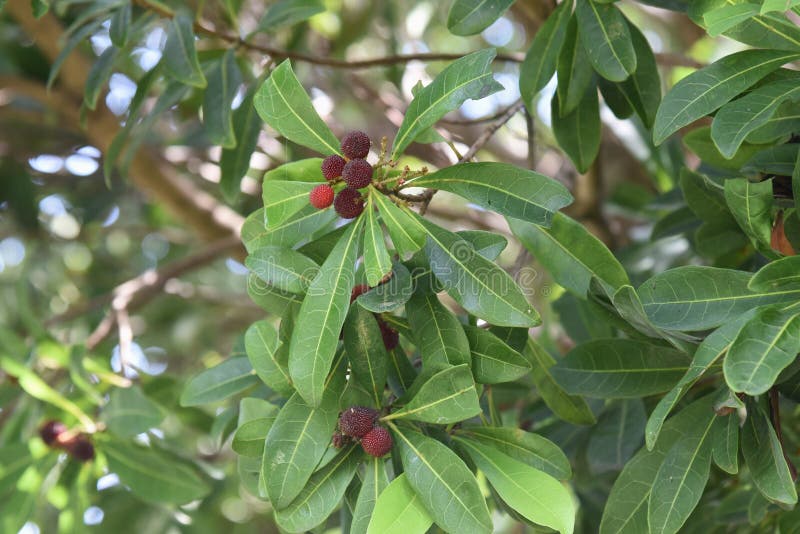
353, 169
56, 435
358, 423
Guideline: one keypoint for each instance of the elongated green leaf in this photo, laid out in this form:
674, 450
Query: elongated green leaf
377, 263
391, 294
736, 120
680, 480
568, 407
726, 17
261, 344
705, 197
697, 298
571, 254
15, 458
578, 132
503, 188
180, 56
98, 76
449, 396
282, 199
764, 457
282, 103
297, 441
399, 510
153, 475
224, 380
447, 488
493, 361
532, 449
617, 436
574, 71
706, 90
607, 40
778, 5
438, 333
725, 439
224, 81
250, 437
619, 368
289, 12
468, 17
751, 206
407, 236
542, 56
468, 77
74, 40
536, 495
779, 274
706, 355
130, 412
765, 345
119, 28
366, 352
488, 244
287, 234
477, 284
235, 162
321, 316
373, 483
283, 268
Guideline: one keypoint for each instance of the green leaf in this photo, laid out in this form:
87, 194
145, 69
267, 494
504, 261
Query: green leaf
224, 80
572, 409
477, 284
706, 90
532, 449
736, 120
751, 206
796, 180
617, 436
698, 298
391, 294
261, 344
571, 254
152, 475
725, 439
224, 380
488, 244
250, 436
726, 17
447, 488
98, 76
699, 141
705, 197
438, 333
778, 5
130, 412
465, 78
282, 199
15, 459
296, 443
764, 457
449, 396
468, 17
542, 56
321, 494
681, 479
399, 510
536, 495
407, 236
235, 162
366, 352
707, 354
284, 268
119, 28
289, 12
574, 71
74, 40
321, 316
503, 188
578, 133
180, 56
779, 274
619, 368
493, 361
767, 344
606, 39
287, 234
373, 484
282, 103
377, 262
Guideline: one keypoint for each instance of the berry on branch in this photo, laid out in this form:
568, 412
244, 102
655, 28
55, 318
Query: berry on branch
81, 449
356, 145
50, 431
391, 338
377, 442
349, 203
332, 167
321, 197
357, 173
356, 421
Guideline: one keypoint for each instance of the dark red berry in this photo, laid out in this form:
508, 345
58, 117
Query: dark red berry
357, 291
349, 203
355, 145
321, 197
50, 431
357, 421
81, 449
339, 440
391, 338
357, 173
332, 167
377, 442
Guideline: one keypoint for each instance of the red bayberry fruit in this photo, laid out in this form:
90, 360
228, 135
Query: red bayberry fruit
321, 197
377, 442
391, 338
349, 203
50, 431
356, 145
356, 421
81, 449
357, 173
358, 290
332, 167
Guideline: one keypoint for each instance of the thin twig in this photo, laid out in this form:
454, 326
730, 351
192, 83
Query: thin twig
775, 415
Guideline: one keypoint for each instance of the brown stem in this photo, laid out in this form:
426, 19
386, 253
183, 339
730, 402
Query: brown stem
775, 416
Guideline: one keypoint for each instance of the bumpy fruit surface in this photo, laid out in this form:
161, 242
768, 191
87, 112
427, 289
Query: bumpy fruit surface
349, 203
390, 336
81, 449
356, 145
332, 167
339, 440
321, 197
357, 173
50, 431
357, 421
377, 442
